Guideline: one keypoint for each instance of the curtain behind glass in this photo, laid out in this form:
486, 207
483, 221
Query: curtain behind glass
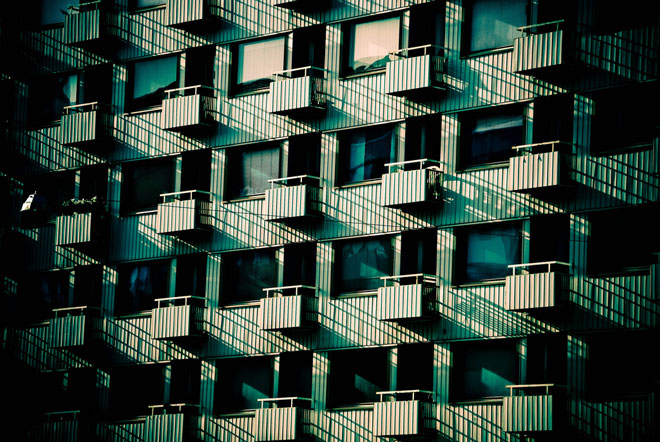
495, 23
256, 167
368, 151
246, 274
372, 41
490, 252
260, 59
363, 263
152, 77
491, 138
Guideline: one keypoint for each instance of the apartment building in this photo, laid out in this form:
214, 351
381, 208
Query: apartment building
365, 220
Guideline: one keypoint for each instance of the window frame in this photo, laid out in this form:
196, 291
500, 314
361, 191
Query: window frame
345, 364
231, 169
466, 43
226, 285
123, 296
348, 40
339, 289
130, 105
128, 166
260, 85
346, 139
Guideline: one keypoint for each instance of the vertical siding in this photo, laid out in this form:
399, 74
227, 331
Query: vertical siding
182, 216
181, 12
294, 94
290, 202
277, 424
80, 127
410, 187
172, 322
128, 432
525, 414
539, 51
69, 331
75, 229
399, 418
282, 312
536, 290
400, 302
165, 428
82, 27
408, 75
534, 172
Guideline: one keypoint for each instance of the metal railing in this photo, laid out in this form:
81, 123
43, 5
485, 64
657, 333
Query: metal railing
83, 107
285, 181
189, 90
557, 24
173, 300
184, 195
296, 289
73, 311
528, 149
542, 263
401, 164
419, 278
304, 71
62, 415
291, 400
412, 393
424, 49
523, 387
84, 6
179, 408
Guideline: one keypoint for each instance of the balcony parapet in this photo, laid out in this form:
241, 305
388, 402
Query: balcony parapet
412, 416
298, 93
282, 422
184, 212
189, 109
417, 72
171, 423
88, 25
409, 186
406, 297
292, 198
288, 307
178, 317
72, 327
544, 48
531, 413
84, 125
539, 167
530, 291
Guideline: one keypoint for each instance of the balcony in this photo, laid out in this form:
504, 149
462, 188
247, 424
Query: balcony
178, 317
288, 308
59, 426
544, 49
416, 72
83, 125
410, 188
292, 198
72, 327
283, 423
172, 423
297, 92
183, 213
530, 413
87, 25
80, 231
189, 109
403, 418
530, 291
540, 168
191, 14
410, 297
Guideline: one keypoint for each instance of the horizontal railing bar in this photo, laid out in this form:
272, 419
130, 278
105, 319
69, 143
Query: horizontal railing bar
412, 275
543, 263
538, 25
394, 392
276, 399
296, 177
186, 88
184, 192
82, 307
544, 143
414, 48
286, 72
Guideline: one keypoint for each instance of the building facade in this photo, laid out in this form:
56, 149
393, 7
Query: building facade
265, 220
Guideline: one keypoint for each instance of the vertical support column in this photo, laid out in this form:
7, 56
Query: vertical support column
167, 383
213, 282
442, 363
285, 158
276, 375
108, 291
207, 387
178, 169
171, 291
400, 141
526, 240
396, 265
279, 258
393, 359
320, 370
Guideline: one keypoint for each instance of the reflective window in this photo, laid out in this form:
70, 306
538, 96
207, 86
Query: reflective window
356, 375
241, 382
143, 182
49, 95
369, 44
488, 136
363, 153
150, 79
494, 23
250, 169
360, 263
140, 284
246, 274
139, 4
485, 252
54, 11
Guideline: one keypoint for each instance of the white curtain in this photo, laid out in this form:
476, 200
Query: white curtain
372, 41
260, 59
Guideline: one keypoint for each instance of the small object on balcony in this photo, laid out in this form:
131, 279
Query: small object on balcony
403, 186
540, 168
282, 423
416, 73
298, 93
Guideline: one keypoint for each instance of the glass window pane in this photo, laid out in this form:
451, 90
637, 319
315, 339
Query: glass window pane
260, 59
372, 41
489, 252
140, 284
363, 262
151, 78
148, 3
241, 382
489, 138
246, 274
251, 170
142, 184
484, 370
54, 11
494, 23
365, 153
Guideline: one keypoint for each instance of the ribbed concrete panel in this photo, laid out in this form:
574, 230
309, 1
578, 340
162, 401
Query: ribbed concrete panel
83, 27
346, 425
233, 429
397, 418
528, 173
183, 12
131, 340
126, 432
538, 51
414, 75
476, 422
282, 312
277, 424
289, 202
79, 128
525, 414
174, 321
77, 229
535, 290
182, 216
293, 95
188, 112
168, 427
401, 302
411, 187
65, 429
69, 331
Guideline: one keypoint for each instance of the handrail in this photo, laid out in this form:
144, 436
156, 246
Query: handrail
287, 179
169, 92
395, 393
287, 73
277, 399
403, 163
531, 386
544, 143
74, 108
542, 263
281, 289
78, 308
399, 52
77, 9
50, 414
173, 195
538, 25
424, 276
164, 407
176, 298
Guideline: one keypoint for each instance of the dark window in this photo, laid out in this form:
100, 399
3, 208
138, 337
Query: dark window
427, 25
49, 95
418, 252
141, 283
363, 153
488, 136
185, 382
296, 374
124, 402
609, 16
368, 44
87, 287
149, 79
44, 291
356, 376
546, 359
553, 119
143, 182
241, 382
360, 263
196, 170
69, 390
93, 182
191, 275
483, 369
622, 239
53, 11
304, 155
549, 238
415, 367
300, 264
422, 139
246, 274
250, 169
485, 252
494, 23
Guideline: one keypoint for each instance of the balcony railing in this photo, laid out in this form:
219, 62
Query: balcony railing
412, 416
282, 423
418, 186
87, 25
298, 92
190, 14
185, 212
531, 413
171, 423
539, 167
178, 317
529, 291
72, 327
543, 48
288, 307
84, 124
80, 230
292, 197
416, 72
59, 426
189, 108
406, 297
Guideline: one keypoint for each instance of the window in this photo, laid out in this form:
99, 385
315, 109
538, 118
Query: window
143, 182
546, 359
422, 139
549, 239
295, 374
249, 169
368, 44
196, 170
185, 382
241, 382
482, 370
363, 153
191, 275
622, 240
304, 155
485, 252
87, 287
356, 375
359, 263
149, 79
488, 136
44, 291
553, 119
68, 390
427, 25
414, 364
53, 11
418, 251
494, 24
610, 16
245, 275
93, 182
143, 4
140, 284
300, 264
